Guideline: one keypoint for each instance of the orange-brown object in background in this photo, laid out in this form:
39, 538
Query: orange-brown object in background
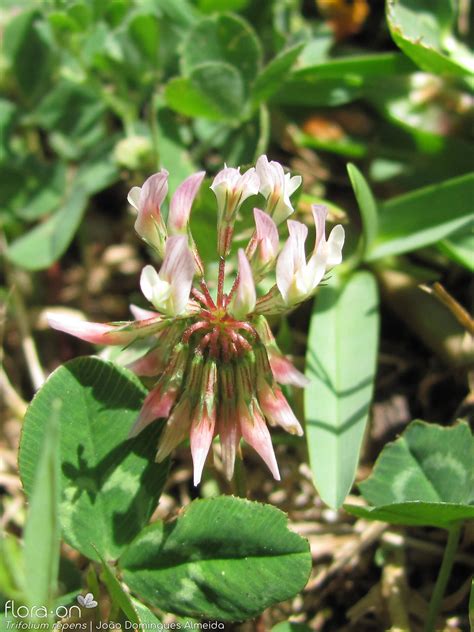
345, 17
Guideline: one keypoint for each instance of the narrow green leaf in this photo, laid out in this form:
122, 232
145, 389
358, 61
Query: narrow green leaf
135, 611
117, 594
42, 530
415, 513
459, 247
339, 81
12, 568
45, 243
376, 65
341, 362
423, 217
426, 477
196, 566
424, 33
145, 615
315, 92
271, 77
367, 205
345, 146
110, 485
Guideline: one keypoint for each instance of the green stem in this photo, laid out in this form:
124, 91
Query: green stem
443, 576
264, 134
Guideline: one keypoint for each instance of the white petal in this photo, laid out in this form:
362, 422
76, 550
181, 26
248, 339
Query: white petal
148, 279
285, 269
133, 197
292, 183
334, 245
178, 269
245, 297
265, 173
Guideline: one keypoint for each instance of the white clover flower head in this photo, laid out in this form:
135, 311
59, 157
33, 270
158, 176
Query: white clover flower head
216, 364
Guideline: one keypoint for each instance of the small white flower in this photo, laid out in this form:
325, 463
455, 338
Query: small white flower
276, 186
232, 188
168, 290
298, 278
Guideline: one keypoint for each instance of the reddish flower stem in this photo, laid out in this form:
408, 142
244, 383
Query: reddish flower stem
220, 282
234, 287
207, 294
199, 296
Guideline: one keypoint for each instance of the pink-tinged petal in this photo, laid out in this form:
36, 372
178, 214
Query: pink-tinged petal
176, 429
255, 432
202, 433
298, 232
178, 270
319, 215
267, 236
228, 176
96, 333
181, 203
229, 434
284, 371
149, 223
158, 404
335, 244
142, 314
154, 191
245, 296
277, 410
